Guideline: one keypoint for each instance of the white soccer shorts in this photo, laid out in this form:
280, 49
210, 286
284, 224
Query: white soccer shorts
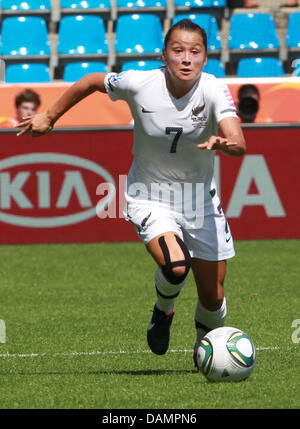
211, 242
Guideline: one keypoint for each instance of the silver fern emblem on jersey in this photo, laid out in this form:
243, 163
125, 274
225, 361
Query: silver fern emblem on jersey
197, 110
198, 121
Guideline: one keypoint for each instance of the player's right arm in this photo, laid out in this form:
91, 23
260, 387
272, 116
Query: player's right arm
42, 123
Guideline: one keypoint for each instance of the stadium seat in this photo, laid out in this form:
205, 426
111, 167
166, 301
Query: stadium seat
157, 7
41, 8
24, 36
131, 37
26, 73
210, 25
295, 67
82, 35
215, 67
102, 8
85, 4
26, 6
293, 31
142, 65
253, 31
260, 67
141, 4
75, 71
200, 3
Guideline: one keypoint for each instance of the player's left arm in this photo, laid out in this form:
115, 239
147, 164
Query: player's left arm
42, 123
232, 143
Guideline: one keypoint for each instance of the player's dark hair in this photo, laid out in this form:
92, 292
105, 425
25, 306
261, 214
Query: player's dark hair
187, 25
27, 95
247, 91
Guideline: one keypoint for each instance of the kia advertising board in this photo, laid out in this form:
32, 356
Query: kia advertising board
260, 190
68, 186
52, 188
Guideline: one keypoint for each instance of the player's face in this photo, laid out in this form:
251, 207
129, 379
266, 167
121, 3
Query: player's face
27, 108
185, 55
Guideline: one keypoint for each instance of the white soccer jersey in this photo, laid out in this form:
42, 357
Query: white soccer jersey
167, 130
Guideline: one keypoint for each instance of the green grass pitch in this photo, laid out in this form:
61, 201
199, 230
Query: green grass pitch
76, 319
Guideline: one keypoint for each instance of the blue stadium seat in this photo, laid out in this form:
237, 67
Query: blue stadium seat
293, 31
85, 4
296, 67
140, 4
142, 65
214, 66
260, 67
75, 71
82, 35
27, 73
24, 36
200, 3
28, 5
131, 37
210, 25
252, 31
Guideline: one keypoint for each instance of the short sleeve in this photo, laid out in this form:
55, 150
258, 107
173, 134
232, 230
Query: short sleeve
224, 104
117, 85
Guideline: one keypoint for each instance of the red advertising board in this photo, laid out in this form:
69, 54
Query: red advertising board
260, 190
48, 187
52, 188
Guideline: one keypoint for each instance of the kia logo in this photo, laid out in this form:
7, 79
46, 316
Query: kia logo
12, 189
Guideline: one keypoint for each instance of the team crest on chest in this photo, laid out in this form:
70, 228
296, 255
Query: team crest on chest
198, 119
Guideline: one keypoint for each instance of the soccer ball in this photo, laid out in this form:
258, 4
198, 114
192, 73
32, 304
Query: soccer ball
226, 354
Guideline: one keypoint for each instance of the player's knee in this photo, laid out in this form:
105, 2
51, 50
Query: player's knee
176, 274
177, 271
181, 270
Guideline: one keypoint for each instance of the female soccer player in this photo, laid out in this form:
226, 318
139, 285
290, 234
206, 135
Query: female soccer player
177, 111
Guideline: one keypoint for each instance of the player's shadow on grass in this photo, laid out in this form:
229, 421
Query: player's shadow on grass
100, 372
148, 372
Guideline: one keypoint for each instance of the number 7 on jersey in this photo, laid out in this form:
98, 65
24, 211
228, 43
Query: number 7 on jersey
177, 131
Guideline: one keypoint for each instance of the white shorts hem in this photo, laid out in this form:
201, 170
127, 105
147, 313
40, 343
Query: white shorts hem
210, 257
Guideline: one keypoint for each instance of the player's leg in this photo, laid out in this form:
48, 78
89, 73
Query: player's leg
173, 259
210, 246
162, 236
211, 307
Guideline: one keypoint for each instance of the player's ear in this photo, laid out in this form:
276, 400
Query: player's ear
163, 56
205, 61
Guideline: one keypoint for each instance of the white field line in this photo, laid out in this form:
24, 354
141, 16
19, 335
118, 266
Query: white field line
99, 353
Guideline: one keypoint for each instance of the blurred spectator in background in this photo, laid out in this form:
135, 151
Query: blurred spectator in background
290, 3
27, 103
248, 102
250, 4
232, 4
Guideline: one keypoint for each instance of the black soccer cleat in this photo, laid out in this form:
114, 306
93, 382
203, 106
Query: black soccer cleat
158, 333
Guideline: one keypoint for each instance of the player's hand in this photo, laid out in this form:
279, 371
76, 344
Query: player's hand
37, 125
216, 142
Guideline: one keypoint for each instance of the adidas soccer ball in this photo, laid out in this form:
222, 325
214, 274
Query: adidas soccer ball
226, 354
